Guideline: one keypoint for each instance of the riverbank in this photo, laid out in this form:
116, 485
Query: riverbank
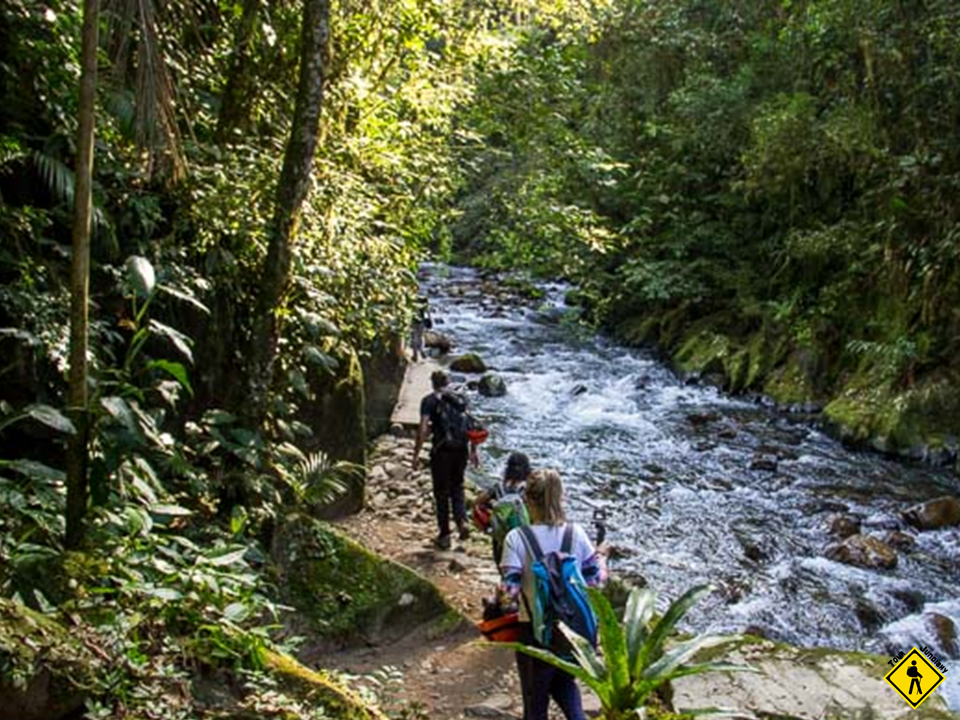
451, 676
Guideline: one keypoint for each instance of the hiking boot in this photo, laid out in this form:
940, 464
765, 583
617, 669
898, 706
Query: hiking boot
464, 530
442, 542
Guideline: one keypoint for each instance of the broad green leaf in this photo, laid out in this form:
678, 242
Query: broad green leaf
640, 608
175, 370
51, 417
228, 557
218, 417
37, 471
171, 510
184, 295
236, 612
141, 275
180, 341
653, 646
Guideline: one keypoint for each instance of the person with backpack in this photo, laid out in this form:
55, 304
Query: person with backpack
546, 565
502, 508
445, 414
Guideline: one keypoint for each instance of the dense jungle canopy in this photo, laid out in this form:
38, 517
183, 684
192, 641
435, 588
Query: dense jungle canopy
767, 190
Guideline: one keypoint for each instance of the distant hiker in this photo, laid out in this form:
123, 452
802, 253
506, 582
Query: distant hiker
421, 323
445, 414
525, 555
501, 508
913, 673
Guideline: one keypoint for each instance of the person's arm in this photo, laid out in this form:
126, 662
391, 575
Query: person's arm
422, 431
593, 562
474, 455
511, 568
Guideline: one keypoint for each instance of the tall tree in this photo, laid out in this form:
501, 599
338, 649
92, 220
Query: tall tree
80, 278
292, 190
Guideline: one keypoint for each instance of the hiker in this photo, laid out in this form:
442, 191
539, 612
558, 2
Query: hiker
501, 508
421, 323
445, 414
539, 681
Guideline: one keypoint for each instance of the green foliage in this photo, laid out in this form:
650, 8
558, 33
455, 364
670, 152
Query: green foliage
634, 660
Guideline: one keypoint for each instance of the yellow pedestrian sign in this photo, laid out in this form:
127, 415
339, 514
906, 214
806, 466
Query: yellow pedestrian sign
914, 677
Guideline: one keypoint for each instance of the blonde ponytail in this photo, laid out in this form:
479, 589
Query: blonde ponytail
544, 496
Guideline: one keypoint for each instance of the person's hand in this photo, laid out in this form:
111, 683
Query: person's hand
474, 457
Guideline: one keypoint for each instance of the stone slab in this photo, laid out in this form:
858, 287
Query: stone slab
416, 384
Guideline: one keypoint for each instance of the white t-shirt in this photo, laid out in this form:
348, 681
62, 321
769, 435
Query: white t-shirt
550, 538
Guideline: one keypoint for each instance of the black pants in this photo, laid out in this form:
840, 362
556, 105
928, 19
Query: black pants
447, 466
540, 682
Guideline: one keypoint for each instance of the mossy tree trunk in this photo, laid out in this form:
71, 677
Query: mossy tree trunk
291, 192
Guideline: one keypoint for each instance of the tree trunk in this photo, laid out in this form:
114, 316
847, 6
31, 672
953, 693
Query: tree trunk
237, 93
77, 399
291, 192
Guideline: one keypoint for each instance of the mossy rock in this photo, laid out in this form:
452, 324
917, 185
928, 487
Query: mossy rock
469, 363
348, 594
921, 422
44, 666
337, 414
705, 353
789, 383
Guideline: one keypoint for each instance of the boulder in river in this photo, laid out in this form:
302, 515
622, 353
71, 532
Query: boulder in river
438, 341
934, 514
469, 363
843, 526
945, 631
492, 385
863, 551
901, 541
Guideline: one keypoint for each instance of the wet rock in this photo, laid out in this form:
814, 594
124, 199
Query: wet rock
492, 385
901, 541
761, 462
437, 341
756, 631
578, 389
943, 628
934, 514
699, 420
913, 600
704, 446
868, 614
863, 551
843, 526
469, 363
727, 433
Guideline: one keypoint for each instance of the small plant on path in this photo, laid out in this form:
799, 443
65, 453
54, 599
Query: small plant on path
633, 660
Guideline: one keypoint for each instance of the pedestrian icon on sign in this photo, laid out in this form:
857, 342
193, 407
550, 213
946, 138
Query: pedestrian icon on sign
915, 677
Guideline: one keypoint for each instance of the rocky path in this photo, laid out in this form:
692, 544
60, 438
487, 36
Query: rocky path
442, 678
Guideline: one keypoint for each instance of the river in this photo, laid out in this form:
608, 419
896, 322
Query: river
698, 486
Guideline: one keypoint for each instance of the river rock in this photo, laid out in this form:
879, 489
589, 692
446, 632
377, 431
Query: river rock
843, 526
901, 541
863, 551
943, 628
578, 389
469, 363
492, 385
934, 514
761, 462
438, 341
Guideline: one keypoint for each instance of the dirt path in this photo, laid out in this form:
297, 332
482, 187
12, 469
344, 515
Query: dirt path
438, 678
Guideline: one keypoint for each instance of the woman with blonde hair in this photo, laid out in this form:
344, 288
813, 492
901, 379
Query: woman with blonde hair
548, 523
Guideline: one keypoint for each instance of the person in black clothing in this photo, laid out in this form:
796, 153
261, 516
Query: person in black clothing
448, 462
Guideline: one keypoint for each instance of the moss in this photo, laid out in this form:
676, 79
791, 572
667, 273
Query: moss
337, 699
43, 665
337, 415
703, 353
789, 384
348, 593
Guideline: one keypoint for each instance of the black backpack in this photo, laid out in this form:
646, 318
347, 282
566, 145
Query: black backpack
451, 422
